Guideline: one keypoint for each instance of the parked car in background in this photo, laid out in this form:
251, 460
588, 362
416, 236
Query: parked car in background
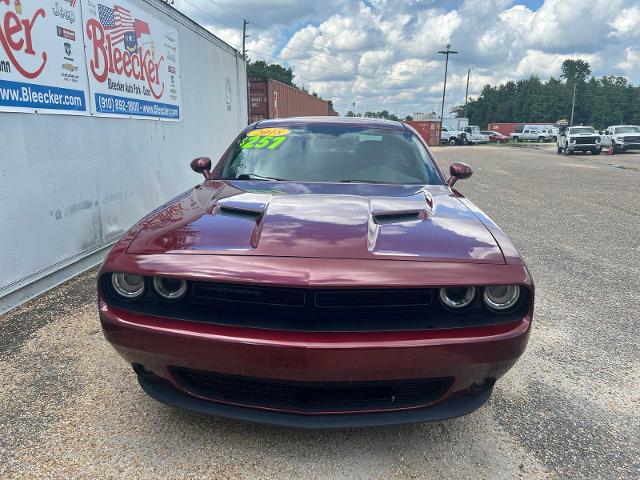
452, 137
529, 135
279, 290
622, 137
474, 135
549, 134
496, 137
579, 139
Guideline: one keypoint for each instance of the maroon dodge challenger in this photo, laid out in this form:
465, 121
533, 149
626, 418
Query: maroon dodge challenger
324, 274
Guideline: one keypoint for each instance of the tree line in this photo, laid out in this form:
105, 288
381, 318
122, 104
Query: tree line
599, 102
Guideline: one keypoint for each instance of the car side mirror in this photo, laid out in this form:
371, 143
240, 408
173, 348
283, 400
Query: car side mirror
459, 171
202, 165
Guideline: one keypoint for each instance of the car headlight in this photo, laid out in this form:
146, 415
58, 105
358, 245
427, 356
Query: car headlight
170, 288
597, 139
128, 286
457, 298
619, 139
501, 298
572, 140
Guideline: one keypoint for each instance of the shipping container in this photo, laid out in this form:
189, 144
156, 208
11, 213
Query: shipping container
72, 183
273, 99
507, 128
429, 130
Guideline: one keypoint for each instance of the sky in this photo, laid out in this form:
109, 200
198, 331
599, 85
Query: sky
383, 54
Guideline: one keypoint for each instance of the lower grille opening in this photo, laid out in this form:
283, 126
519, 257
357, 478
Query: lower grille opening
311, 396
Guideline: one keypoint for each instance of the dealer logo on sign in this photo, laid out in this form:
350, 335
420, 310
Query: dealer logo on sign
16, 36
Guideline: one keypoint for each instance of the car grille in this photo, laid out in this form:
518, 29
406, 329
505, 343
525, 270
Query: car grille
632, 139
311, 396
585, 140
312, 299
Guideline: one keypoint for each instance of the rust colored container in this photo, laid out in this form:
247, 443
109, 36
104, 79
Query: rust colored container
273, 99
504, 128
429, 130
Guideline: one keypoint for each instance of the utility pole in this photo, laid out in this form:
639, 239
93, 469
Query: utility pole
244, 57
466, 95
446, 52
573, 104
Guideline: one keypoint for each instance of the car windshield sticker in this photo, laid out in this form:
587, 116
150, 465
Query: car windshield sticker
268, 132
267, 142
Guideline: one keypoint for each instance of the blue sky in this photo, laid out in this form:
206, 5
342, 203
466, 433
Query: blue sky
382, 54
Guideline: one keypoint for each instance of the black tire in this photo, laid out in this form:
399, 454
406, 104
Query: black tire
596, 151
516, 139
453, 141
540, 139
559, 149
566, 151
555, 139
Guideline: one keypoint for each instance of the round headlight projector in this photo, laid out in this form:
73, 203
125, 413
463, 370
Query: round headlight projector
128, 286
457, 298
501, 298
170, 288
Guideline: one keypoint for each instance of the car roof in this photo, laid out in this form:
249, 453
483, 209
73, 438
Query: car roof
330, 121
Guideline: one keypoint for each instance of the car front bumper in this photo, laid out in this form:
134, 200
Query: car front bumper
468, 356
584, 147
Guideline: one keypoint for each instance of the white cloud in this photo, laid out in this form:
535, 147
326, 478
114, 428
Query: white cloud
627, 23
631, 60
382, 54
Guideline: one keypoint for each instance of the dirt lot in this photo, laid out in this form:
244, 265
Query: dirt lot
71, 408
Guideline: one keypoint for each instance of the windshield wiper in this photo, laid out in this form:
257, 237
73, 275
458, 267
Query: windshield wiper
255, 176
360, 181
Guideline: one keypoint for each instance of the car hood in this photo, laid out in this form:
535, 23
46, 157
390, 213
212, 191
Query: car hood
319, 220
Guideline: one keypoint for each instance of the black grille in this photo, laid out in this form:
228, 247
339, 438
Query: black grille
632, 139
311, 396
585, 140
311, 299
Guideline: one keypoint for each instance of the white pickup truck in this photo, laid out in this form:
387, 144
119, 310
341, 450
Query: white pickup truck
528, 135
579, 139
622, 137
452, 137
474, 135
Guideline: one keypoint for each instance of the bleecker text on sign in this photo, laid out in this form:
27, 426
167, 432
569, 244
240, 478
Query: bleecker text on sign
132, 61
41, 70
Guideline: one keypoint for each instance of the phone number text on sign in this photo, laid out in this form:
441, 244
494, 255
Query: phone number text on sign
126, 106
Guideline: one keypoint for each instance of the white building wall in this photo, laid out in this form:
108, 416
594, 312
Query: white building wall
71, 185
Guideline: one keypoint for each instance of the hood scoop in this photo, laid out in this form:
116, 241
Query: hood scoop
399, 210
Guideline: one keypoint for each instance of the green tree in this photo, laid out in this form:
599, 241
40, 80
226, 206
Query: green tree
272, 71
408, 118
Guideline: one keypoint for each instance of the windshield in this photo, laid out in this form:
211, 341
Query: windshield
574, 130
331, 154
627, 130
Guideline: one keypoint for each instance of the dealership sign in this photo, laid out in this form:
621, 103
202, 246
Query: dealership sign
42, 57
132, 61
99, 57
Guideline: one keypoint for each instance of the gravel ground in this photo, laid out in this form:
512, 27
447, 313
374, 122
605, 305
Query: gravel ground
70, 407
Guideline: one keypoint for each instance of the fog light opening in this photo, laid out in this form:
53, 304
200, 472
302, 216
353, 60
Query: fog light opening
482, 386
144, 373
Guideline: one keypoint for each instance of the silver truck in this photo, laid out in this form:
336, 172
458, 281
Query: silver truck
622, 137
474, 135
528, 135
579, 139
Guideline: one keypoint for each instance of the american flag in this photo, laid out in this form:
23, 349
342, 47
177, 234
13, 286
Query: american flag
117, 21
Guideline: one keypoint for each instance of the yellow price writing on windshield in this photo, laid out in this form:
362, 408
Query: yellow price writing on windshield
268, 132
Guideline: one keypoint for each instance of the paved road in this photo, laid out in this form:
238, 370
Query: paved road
69, 407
